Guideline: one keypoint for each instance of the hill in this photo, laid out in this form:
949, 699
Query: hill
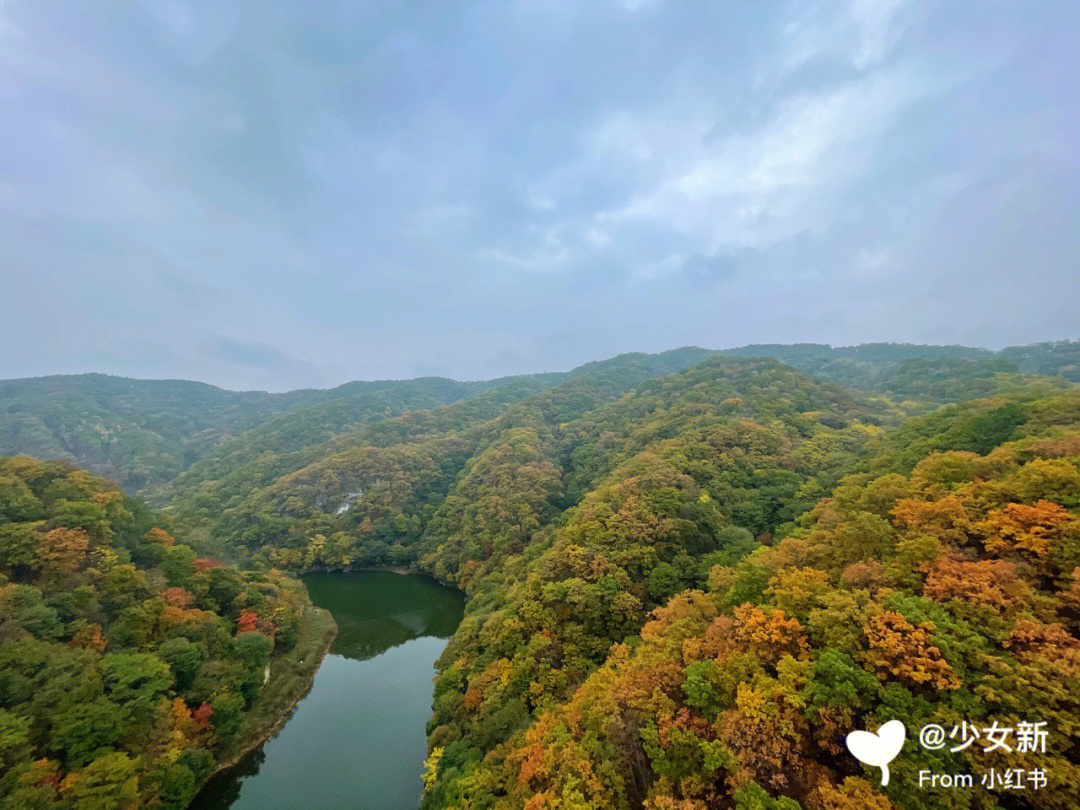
141, 433
947, 594
931, 375
686, 571
144, 434
128, 666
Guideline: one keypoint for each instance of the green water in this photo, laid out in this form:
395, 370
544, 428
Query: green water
356, 741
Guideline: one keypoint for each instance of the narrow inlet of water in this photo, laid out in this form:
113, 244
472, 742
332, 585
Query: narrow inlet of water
356, 741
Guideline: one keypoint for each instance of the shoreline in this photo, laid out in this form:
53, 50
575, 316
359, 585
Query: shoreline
403, 570
266, 732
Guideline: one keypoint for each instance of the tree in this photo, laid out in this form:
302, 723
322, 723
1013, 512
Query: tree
108, 783
247, 623
62, 550
903, 651
228, 713
852, 794
177, 787
23, 608
754, 797
253, 650
14, 734
984, 582
184, 658
1029, 530
82, 730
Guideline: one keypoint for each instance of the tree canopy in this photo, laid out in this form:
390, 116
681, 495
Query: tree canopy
126, 662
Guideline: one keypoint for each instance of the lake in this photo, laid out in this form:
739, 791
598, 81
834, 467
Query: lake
357, 740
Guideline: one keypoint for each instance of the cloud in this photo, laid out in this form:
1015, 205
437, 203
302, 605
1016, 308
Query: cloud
242, 353
861, 33
634, 6
549, 256
662, 268
786, 176
294, 194
878, 31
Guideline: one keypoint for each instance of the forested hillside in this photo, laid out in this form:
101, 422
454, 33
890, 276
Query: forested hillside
925, 375
689, 574
143, 434
234, 478
128, 666
389, 492
939, 591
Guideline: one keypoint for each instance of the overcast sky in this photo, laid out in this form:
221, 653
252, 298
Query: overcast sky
275, 195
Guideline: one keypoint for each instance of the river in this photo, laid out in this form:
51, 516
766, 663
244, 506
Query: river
356, 741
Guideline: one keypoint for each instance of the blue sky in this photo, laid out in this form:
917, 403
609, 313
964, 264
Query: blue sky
268, 195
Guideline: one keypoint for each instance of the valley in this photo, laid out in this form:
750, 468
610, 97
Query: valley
685, 576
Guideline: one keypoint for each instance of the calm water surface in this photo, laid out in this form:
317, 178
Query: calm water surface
357, 741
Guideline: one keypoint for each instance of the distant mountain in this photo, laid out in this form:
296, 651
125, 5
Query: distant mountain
144, 434
1061, 358
141, 433
660, 551
934, 373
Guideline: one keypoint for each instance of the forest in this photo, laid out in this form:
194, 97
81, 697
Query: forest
128, 664
689, 575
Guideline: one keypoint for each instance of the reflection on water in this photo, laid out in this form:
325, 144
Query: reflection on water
377, 610
357, 740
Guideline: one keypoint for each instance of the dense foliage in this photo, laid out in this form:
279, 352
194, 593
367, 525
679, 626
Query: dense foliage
690, 574
945, 593
925, 375
1060, 357
144, 433
459, 491
126, 662
369, 490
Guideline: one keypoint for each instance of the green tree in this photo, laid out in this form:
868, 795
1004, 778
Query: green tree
184, 658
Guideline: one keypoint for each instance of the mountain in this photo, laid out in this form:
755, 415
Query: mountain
930, 374
144, 434
944, 595
689, 574
129, 667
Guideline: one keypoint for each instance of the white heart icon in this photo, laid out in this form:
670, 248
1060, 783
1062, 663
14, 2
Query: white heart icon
878, 750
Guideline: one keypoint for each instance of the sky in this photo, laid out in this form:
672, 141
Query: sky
281, 195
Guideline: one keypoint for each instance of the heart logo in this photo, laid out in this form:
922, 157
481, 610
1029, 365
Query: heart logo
878, 750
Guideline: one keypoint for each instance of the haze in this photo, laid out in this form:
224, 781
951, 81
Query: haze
284, 195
